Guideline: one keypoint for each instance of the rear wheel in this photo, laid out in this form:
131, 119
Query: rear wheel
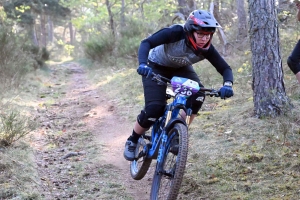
140, 166
166, 183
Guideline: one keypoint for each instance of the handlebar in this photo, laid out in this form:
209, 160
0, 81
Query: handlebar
210, 92
161, 80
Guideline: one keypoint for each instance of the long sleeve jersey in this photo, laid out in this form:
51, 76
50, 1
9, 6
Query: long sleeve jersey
168, 48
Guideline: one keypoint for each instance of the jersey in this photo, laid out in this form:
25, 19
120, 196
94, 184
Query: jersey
174, 54
168, 48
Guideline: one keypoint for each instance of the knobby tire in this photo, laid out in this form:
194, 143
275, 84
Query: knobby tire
167, 187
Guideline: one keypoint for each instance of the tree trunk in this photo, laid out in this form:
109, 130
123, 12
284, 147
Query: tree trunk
33, 35
50, 29
270, 99
283, 3
186, 7
284, 10
64, 33
71, 33
111, 18
191, 5
123, 15
242, 20
214, 9
43, 31
182, 8
142, 9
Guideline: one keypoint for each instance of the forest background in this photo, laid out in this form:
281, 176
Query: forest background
104, 36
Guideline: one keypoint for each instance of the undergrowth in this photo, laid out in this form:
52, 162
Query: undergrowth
232, 154
14, 126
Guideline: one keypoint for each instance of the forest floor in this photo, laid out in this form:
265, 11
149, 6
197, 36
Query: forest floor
79, 148
85, 117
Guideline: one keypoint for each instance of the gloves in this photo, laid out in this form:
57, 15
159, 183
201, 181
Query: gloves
226, 90
144, 70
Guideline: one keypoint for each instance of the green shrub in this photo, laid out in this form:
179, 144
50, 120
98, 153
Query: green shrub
38, 54
97, 48
13, 126
14, 61
131, 37
129, 46
132, 29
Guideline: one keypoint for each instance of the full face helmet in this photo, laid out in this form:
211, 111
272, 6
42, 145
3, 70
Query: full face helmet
200, 20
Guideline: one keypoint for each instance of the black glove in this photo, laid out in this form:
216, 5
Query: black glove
144, 70
226, 91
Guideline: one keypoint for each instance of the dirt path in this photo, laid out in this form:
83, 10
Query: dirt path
79, 148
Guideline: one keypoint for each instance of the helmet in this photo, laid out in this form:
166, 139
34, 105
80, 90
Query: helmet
200, 20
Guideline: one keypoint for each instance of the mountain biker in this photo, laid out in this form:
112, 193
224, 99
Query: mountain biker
293, 60
171, 52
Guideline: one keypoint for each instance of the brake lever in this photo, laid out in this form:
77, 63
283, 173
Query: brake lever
157, 78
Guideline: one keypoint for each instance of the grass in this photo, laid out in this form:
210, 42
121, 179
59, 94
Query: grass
88, 178
122, 86
232, 154
236, 156
18, 177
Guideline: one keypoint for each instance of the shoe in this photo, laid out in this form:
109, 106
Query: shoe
129, 152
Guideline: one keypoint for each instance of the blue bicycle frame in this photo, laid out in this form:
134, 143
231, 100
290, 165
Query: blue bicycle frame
164, 124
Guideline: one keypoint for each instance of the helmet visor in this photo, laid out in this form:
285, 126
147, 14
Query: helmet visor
204, 29
208, 29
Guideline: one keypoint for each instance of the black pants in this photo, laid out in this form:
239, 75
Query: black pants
293, 60
156, 94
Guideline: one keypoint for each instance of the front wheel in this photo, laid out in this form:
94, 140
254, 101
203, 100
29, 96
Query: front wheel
167, 181
140, 166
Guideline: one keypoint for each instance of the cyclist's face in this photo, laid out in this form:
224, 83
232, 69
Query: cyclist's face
201, 38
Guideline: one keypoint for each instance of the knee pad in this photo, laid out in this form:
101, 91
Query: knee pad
293, 64
149, 115
195, 102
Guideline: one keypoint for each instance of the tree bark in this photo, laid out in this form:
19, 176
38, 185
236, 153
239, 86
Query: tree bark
214, 9
242, 20
33, 35
43, 31
123, 15
71, 30
64, 33
50, 29
269, 94
142, 9
283, 3
186, 7
111, 18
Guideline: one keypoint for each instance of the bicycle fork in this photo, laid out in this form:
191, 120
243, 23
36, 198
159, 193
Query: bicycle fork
161, 152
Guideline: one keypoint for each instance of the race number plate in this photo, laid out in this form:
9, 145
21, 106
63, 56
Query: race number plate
184, 86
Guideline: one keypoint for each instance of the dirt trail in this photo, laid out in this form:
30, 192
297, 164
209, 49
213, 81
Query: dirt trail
79, 148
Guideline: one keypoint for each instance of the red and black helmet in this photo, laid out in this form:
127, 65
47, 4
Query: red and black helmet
200, 20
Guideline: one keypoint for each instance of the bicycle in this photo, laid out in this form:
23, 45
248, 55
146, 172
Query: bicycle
168, 142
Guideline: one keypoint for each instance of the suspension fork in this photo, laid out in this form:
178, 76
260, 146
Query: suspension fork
169, 114
188, 116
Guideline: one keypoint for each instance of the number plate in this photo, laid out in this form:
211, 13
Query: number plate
184, 86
